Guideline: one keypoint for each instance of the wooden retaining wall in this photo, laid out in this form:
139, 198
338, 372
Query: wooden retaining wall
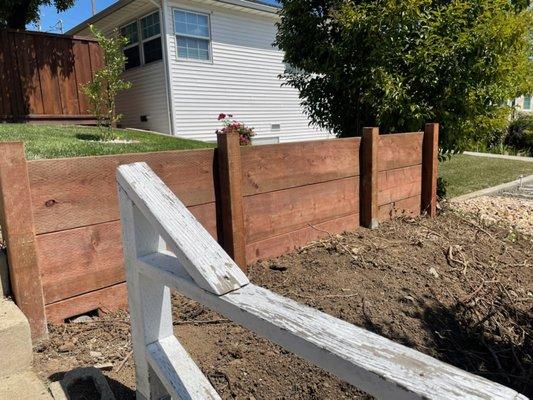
61, 223
41, 76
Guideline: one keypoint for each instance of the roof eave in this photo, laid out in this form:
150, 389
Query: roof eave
245, 4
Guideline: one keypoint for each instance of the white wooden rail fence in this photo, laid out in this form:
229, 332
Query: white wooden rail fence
153, 219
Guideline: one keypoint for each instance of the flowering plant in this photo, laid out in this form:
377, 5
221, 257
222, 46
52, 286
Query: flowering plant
231, 125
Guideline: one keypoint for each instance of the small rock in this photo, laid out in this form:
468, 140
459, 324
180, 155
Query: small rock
95, 354
66, 347
433, 272
81, 319
104, 366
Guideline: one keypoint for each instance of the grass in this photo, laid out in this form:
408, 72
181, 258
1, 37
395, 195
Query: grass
465, 174
53, 141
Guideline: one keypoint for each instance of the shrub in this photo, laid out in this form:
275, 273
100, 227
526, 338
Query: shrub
398, 64
106, 84
231, 125
520, 134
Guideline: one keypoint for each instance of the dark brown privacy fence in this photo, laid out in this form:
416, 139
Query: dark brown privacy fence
41, 76
61, 223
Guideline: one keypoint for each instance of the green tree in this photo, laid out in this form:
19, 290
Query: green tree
107, 82
400, 63
16, 14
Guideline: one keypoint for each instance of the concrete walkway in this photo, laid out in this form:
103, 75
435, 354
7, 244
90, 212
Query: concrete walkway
17, 380
525, 181
502, 156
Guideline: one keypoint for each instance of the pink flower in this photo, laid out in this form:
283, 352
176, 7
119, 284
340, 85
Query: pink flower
221, 116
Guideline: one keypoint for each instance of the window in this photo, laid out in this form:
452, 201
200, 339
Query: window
131, 50
527, 102
151, 38
144, 33
192, 35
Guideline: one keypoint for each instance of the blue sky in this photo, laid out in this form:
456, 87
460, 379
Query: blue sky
81, 10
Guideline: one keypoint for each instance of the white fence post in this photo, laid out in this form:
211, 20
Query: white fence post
149, 302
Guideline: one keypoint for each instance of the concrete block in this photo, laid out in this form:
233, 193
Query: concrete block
15, 340
23, 386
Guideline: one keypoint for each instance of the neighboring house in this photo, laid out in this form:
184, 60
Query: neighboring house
190, 60
523, 103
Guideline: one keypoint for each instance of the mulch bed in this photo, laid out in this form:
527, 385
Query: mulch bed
448, 287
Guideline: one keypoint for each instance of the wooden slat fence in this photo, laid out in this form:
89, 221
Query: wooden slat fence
281, 197
41, 76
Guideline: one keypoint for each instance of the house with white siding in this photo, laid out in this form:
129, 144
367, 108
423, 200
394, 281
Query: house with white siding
190, 60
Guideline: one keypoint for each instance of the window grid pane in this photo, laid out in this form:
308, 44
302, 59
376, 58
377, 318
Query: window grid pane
527, 102
150, 26
130, 32
190, 23
192, 48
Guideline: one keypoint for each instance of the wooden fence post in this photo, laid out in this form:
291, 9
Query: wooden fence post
430, 164
230, 179
18, 230
369, 178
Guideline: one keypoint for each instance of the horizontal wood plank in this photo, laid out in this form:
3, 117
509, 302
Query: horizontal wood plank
274, 213
399, 184
110, 298
207, 263
81, 260
409, 207
368, 361
281, 244
399, 150
74, 192
280, 166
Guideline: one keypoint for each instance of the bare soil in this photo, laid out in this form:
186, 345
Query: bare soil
449, 287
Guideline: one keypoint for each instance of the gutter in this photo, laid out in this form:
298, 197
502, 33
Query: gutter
257, 5
170, 104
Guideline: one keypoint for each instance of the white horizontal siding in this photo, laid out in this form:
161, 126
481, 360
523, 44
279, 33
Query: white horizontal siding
148, 94
242, 79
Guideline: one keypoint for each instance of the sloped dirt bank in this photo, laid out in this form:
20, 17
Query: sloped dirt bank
449, 287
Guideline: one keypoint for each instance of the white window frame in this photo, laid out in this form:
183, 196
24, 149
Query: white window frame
140, 41
209, 38
530, 102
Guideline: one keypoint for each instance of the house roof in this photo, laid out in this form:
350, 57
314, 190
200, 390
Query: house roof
257, 5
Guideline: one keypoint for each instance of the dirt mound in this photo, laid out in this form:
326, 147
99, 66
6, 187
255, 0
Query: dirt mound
448, 287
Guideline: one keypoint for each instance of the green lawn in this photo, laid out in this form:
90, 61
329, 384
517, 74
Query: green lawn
465, 174
53, 141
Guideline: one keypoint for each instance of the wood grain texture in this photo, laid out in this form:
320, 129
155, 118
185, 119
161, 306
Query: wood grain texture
274, 213
29, 73
277, 245
178, 371
399, 184
408, 207
430, 165
82, 67
40, 74
81, 260
109, 299
369, 177
230, 196
399, 150
19, 235
372, 363
73, 192
208, 264
281, 166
